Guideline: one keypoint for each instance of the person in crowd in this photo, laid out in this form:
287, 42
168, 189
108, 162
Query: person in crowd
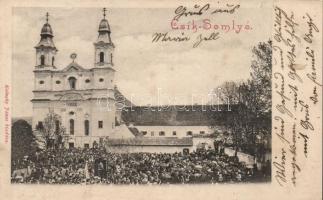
97, 166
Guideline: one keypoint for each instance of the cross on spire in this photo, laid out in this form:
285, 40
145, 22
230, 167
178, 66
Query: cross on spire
47, 15
104, 10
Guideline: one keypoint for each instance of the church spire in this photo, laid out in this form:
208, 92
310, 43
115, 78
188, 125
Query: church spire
104, 29
103, 45
46, 35
47, 15
104, 9
45, 49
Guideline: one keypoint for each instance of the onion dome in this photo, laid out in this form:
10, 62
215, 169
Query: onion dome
104, 31
104, 26
46, 36
46, 30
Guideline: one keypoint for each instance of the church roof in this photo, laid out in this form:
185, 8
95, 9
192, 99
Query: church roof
46, 30
45, 42
121, 100
104, 32
173, 115
178, 115
46, 39
73, 66
104, 26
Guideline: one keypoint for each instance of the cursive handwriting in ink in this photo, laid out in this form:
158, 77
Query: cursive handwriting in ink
305, 138
281, 133
306, 124
280, 168
311, 26
200, 38
183, 11
164, 37
231, 9
311, 56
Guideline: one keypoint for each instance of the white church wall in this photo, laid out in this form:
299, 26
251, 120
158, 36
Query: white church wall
43, 81
102, 78
58, 82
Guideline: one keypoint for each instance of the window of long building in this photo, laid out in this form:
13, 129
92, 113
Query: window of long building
100, 124
86, 127
189, 133
71, 126
161, 133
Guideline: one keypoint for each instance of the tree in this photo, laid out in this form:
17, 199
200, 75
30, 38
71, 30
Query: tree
227, 93
52, 133
261, 71
22, 140
253, 97
256, 95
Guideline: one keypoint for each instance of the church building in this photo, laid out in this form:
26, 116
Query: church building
82, 97
92, 110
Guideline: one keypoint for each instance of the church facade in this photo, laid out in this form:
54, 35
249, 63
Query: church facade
82, 97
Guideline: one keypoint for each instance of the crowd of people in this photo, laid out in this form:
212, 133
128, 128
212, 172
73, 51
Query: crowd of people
96, 165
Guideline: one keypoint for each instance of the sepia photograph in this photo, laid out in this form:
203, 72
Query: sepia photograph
162, 100
141, 96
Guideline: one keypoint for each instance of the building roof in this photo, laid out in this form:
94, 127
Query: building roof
121, 100
143, 141
73, 66
46, 39
104, 26
46, 30
178, 115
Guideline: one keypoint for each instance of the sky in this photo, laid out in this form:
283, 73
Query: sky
146, 72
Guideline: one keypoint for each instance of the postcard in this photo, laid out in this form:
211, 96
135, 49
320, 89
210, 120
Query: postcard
161, 99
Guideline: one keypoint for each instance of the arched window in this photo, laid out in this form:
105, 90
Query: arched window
53, 60
86, 127
42, 60
71, 126
101, 57
72, 82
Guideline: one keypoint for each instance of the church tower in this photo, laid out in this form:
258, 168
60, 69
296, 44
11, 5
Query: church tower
103, 46
45, 49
